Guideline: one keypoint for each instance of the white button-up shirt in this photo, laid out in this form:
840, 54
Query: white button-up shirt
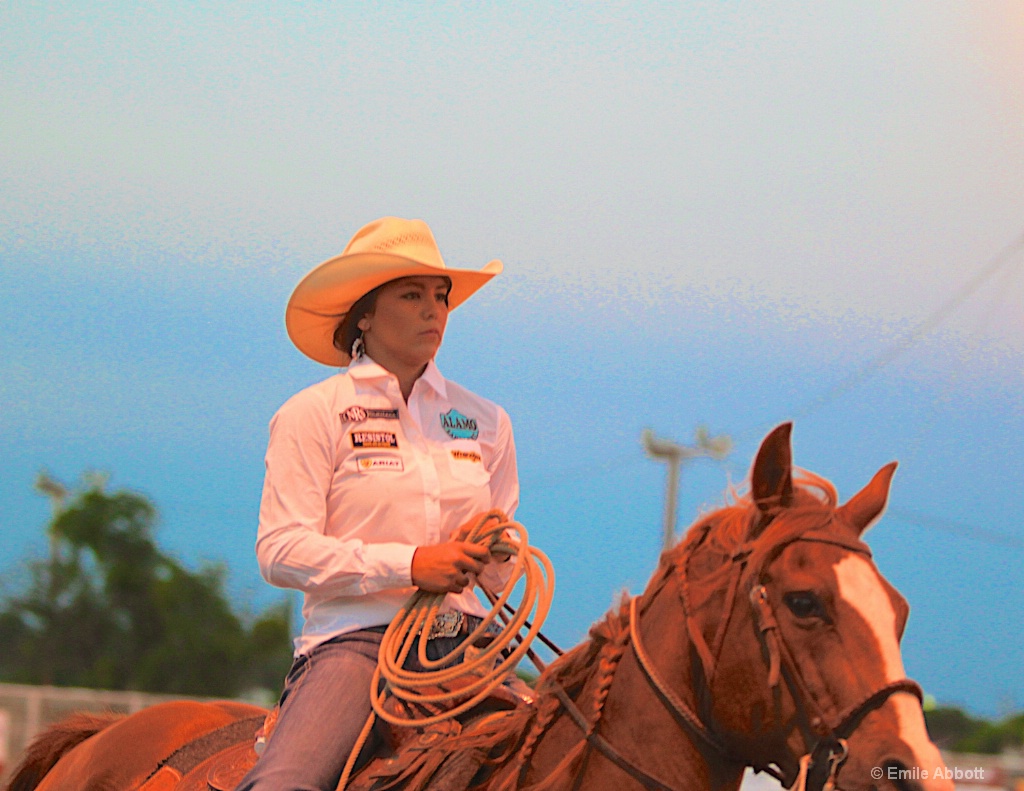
356, 479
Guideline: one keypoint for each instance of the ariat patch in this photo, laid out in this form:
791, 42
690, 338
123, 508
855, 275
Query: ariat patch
373, 439
458, 426
357, 414
373, 463
467, 455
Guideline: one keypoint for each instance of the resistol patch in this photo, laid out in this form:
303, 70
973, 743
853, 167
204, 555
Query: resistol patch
458, 426
373, 439
467, 455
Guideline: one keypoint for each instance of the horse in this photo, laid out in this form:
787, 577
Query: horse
765, 638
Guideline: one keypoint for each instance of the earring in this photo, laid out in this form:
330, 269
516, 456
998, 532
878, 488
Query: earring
358, 349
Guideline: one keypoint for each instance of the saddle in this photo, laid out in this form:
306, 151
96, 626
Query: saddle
451, 755
445, 756
221, 756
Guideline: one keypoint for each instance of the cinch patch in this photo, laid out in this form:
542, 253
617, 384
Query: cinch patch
467, 455
458, 426
373, 439
370, 463
357, 414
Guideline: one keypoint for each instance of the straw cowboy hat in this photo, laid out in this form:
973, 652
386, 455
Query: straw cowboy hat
384, 250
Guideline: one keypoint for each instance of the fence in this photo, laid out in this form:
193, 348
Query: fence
25, 710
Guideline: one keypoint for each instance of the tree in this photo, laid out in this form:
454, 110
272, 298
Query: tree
953, 729
109, 609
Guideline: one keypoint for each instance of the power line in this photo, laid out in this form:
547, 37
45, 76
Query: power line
879, 361
1003, 288
854, 380
931, 322
974, 532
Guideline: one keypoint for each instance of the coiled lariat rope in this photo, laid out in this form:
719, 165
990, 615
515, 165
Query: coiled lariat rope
480, 672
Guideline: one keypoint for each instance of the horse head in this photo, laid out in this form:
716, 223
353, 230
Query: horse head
793, 635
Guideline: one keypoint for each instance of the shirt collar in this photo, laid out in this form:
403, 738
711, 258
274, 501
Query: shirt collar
432, 377
366, 368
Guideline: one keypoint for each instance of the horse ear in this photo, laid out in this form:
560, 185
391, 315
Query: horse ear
771, 479
865, 507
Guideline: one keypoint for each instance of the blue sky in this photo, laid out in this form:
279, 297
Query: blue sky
708, 215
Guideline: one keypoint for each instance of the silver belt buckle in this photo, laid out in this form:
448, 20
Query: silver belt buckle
446, 624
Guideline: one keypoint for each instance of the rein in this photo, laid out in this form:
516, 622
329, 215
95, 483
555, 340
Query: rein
825, 744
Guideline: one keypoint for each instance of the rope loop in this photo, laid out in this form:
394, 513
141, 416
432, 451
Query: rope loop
461, 686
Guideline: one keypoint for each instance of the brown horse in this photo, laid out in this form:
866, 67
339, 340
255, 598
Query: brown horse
766, 638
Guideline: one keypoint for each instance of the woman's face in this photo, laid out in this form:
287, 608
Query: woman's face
407, 322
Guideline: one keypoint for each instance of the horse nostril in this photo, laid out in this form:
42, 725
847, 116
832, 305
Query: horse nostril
902, 777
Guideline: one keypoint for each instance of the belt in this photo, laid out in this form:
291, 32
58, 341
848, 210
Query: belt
452, 623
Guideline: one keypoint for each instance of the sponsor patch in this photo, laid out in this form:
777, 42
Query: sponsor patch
371, 463
373, 439
458, 426
467, 455
357, 414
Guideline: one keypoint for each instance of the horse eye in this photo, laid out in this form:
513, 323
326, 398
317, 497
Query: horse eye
804, 604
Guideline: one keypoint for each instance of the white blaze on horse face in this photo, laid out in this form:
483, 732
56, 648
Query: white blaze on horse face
860, 587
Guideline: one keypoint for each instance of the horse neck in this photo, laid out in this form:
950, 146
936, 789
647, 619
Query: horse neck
630, 715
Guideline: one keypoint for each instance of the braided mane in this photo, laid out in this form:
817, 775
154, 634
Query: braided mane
607, 636
599, 654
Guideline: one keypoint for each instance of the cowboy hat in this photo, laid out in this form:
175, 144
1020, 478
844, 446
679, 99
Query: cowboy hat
383, 250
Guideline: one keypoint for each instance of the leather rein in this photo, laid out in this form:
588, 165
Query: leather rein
824, 736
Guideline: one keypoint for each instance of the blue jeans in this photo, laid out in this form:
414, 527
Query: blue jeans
324, 706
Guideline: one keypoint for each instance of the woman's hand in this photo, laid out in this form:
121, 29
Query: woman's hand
445, 568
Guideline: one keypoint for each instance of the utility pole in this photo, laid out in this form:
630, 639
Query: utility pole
57, 494
675, 454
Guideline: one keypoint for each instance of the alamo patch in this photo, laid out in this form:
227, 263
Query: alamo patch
371, 463
357, 414
373, 439
467, 455
458, 426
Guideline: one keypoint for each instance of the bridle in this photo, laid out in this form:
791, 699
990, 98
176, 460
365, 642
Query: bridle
824, 732
824, 735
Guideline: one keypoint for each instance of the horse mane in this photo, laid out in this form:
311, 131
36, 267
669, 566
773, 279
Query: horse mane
722, 532
733, 528
813, 497
600, 653
47, 748
607, 635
